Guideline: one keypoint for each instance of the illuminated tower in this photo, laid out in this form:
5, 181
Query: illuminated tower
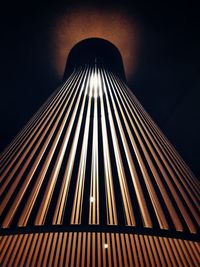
92, 181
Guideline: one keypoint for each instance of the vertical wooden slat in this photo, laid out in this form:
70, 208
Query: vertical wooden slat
178, 259
178, 184
155, 253
21, 250
128, 210
10, 250
134, 250
88, 249
73, 253
195, 250
109, 250
42, 250
146, 259
88, 259
99, 249
94, 187
45, 202
104, 250
93, 250
114, 254
26, 250
48, 249
123, 246
32, 249
118, 249
165, 252
109, 187
37, 249
163, 191
79, 246
68, 251
128, 246
170, 251
160, 251
63, 249
135, 178
4, 244
139, 250
149, 251
184, 251
78, 197
83, 250
192, 255
58, 249
15, 250
62, 198
53, 248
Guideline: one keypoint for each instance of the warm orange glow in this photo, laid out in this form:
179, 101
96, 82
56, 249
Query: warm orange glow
112, 24
97, 250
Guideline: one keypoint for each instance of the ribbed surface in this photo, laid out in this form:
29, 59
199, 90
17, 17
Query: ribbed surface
97, 250
92, 155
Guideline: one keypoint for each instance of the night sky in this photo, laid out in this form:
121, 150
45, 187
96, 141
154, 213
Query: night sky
166, 78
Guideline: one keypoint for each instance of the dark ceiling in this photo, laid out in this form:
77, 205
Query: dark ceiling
166, 80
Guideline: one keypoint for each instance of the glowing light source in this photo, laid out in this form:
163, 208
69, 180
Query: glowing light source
92, 199
95, 80
105, 246
93, 84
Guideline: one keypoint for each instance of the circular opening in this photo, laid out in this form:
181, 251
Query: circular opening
95, 51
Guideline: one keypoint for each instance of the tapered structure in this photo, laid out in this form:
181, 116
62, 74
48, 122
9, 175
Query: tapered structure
92, 181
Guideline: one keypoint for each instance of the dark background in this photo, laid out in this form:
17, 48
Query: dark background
166, 81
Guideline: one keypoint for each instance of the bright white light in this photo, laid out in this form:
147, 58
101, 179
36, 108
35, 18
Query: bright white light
94, 81
95, 84
92, 199
105, 245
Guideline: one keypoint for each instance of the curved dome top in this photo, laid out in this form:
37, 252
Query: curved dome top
95, 51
